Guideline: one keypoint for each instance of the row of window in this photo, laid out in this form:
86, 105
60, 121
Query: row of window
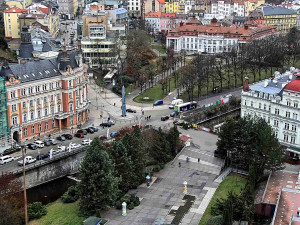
46, 127
286, 126
290, 139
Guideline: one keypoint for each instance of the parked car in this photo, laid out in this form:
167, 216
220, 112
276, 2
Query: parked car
6, 159
53, 141
111, 122
90, 130
68, 136
95, 129
158, 102
47, 142
113, 134
54, 152
82, 131
164, 118
27, 160
102, 137
32, 146
79, 135
173, 114
61, 138
39, 144
86, 142
73, 146
42, 156
131, 110
105, 125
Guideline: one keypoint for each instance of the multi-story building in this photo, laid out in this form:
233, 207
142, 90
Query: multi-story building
11, 22
134, 7
222, 7
13, 4
172, 6
46, 95
66, 9
277, 101
194, 37
281, 18
161, 22
251, 5
154, 6
4, 127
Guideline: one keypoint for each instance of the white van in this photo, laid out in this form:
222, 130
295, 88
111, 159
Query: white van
6, 159
40, 144
175, 102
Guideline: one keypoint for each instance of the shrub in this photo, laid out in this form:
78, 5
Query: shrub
98, 213
36, 210
156, 168
126, 199
118, 204
130, 206
135, 200
71, 195
216, 220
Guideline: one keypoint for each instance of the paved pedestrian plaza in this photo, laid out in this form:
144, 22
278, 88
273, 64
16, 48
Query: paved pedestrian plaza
166, 191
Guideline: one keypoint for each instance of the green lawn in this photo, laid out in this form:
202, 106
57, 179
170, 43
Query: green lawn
159, 48
154, 93
60, 214
233, 183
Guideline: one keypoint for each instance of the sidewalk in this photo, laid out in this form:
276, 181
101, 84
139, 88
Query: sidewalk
166, 192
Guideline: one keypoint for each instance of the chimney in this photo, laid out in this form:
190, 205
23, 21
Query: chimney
246, 85
64, 48
181, 24
246, 27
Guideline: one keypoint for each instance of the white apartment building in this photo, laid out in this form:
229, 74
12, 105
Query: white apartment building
228, 8
134, 7
276, 100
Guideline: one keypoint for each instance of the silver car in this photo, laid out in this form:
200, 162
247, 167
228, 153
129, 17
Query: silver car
53, 141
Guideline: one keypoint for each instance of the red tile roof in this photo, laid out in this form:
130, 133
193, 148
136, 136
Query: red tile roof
44, 10
154, 14
16, 10
293, 86
161, 1
184, 138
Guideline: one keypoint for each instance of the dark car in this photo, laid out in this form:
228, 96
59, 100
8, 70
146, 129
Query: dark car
94, 128
158, 102
42, 156
47, 143
173, 114
113, 134
102, 137
131, 110
68, 136
82, 131
90, 130
61, 138
79, 135
105, 125
32, 146
164, 118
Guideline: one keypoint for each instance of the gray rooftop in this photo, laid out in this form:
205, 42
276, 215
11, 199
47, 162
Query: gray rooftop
272, 10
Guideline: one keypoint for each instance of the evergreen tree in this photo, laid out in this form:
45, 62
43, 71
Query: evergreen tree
98, 187
173, 138
123, 166
161, 148
225, 140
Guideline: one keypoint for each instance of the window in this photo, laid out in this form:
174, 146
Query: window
265, 106
293, 139
23, 92
296, 104
44, 87
71, 107
269, 107
38, 101
58, 108
14, 108
71, 120
46, 111
259, 105
251, 104
58, 97
12, 94
277, 111
46, 126
70, 83
52, 110
33, 130
52, 98
24, 105
25, 117
37, 89
53, 123
295, 116
245, 102
294, 127
70, 95
45, 99
40, 127
39, 114
25, 132
15, 120
57, 84
276, 133
286, 126
276, 123
31, 103
9, 20
32, 116
30, 90
287, 114
285, 137
288, 103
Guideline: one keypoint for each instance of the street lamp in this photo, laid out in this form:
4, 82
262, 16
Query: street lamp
184, 187
24, 184
148, 181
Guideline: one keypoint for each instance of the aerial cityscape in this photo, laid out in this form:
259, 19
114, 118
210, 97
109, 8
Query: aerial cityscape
149, 112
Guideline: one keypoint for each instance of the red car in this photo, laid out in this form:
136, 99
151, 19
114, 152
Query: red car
136, 125
79, 135
102, 137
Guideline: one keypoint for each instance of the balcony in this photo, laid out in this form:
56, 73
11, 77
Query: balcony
82, 107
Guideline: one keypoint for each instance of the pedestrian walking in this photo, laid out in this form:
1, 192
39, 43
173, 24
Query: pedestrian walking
187, 159
149, 117
198, 160
145, 117
179, 164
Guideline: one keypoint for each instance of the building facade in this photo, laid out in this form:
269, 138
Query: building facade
11, 22
193, 37
277, 101
4, 127
281, 18
46, 95
66, 9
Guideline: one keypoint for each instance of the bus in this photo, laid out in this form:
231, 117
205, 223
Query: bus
175, 102
185, 106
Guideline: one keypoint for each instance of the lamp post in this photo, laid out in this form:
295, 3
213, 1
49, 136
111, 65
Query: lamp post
24, 184
184, 187
148, 181
124, 209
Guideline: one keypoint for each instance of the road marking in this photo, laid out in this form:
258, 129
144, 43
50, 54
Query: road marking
194, 160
